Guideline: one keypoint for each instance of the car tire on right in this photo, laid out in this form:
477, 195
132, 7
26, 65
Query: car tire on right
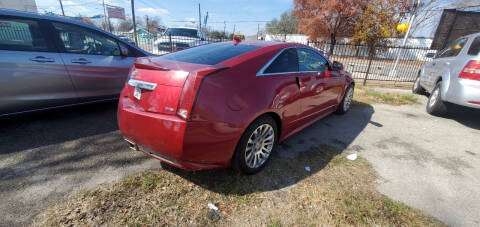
417, 88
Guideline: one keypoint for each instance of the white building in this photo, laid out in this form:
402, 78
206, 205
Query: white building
23, 5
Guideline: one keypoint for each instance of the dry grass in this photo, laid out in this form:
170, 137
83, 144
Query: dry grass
370, 96
336, 192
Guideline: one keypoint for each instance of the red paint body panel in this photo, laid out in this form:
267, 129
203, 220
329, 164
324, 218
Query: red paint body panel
222, 103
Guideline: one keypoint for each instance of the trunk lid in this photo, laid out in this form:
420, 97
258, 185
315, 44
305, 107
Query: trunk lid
159, 86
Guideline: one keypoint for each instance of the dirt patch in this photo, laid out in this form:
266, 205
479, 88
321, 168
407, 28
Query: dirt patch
335, 191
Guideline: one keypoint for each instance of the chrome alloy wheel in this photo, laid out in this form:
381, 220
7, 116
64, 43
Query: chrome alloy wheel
434, 97
348, 99
259, 146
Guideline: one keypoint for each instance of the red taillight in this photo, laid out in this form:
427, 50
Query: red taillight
471, 71
189, 91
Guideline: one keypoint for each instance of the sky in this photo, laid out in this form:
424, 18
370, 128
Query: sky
245, 15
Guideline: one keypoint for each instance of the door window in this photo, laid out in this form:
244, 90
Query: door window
311, 61
22, 35
78, 40
453, 49
286, 62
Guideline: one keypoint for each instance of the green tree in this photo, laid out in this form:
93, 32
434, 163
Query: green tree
286, 25
378, 20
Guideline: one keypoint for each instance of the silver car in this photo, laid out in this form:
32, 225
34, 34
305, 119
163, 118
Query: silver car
452, 77
48, 62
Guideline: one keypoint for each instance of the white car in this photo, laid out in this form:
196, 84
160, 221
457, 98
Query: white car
453, 77
179, 38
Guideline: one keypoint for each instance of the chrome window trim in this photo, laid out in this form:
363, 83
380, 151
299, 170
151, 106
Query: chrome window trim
261, 71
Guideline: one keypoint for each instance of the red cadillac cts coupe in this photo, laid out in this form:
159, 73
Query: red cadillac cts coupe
228, 104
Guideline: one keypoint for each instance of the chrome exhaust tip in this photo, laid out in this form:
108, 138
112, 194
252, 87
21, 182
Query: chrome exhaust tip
131, 145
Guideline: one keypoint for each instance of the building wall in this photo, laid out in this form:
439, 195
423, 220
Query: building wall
23, 5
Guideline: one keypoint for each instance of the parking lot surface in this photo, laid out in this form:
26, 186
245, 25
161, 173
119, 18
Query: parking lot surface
427, 162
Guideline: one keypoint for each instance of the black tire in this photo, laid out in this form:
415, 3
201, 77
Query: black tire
345, 104
417, 88
239, 159
435, 105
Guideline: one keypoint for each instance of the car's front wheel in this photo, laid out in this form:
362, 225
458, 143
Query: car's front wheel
347, 100
255, 146
436, 106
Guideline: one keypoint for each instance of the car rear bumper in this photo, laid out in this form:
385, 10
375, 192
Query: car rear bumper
464, 92
160, 136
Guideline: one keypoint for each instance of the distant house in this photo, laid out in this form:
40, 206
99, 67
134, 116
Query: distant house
144, 35
300, 38
453, 25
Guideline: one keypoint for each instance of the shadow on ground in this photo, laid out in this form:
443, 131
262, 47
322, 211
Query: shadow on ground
466, 116
47, 156
43, 128
313, 147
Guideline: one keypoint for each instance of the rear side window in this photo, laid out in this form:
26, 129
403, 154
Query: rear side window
453, 49
20, 34
475, 47
211, 54
286, 62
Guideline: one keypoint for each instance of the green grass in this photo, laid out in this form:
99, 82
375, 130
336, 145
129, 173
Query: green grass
337, 191
368, 95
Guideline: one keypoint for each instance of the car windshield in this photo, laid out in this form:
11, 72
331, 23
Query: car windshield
187, 32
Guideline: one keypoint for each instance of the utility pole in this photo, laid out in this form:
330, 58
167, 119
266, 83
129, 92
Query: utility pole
410, 22
258, 30
61, 6
199, 18
134, 23
105, 15
234, 29
224, 27
148, 30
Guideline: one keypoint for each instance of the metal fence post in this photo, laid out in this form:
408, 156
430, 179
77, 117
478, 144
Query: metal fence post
370, 59
170, 42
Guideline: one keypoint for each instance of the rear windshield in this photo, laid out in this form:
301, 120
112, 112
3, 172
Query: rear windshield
210, 54
475, 47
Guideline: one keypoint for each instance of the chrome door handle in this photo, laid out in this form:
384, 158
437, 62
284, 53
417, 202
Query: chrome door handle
42, 59
81, 61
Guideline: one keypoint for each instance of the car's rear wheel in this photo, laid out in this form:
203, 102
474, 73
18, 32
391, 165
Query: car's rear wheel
255, 146
347, 100
436, 106
417, 88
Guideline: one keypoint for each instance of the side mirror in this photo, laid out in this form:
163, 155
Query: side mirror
337, 66
124, 51
430, 55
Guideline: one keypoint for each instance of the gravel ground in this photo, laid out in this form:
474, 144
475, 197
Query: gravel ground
427, 162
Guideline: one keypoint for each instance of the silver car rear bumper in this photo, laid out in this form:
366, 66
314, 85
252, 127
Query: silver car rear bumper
464, 92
